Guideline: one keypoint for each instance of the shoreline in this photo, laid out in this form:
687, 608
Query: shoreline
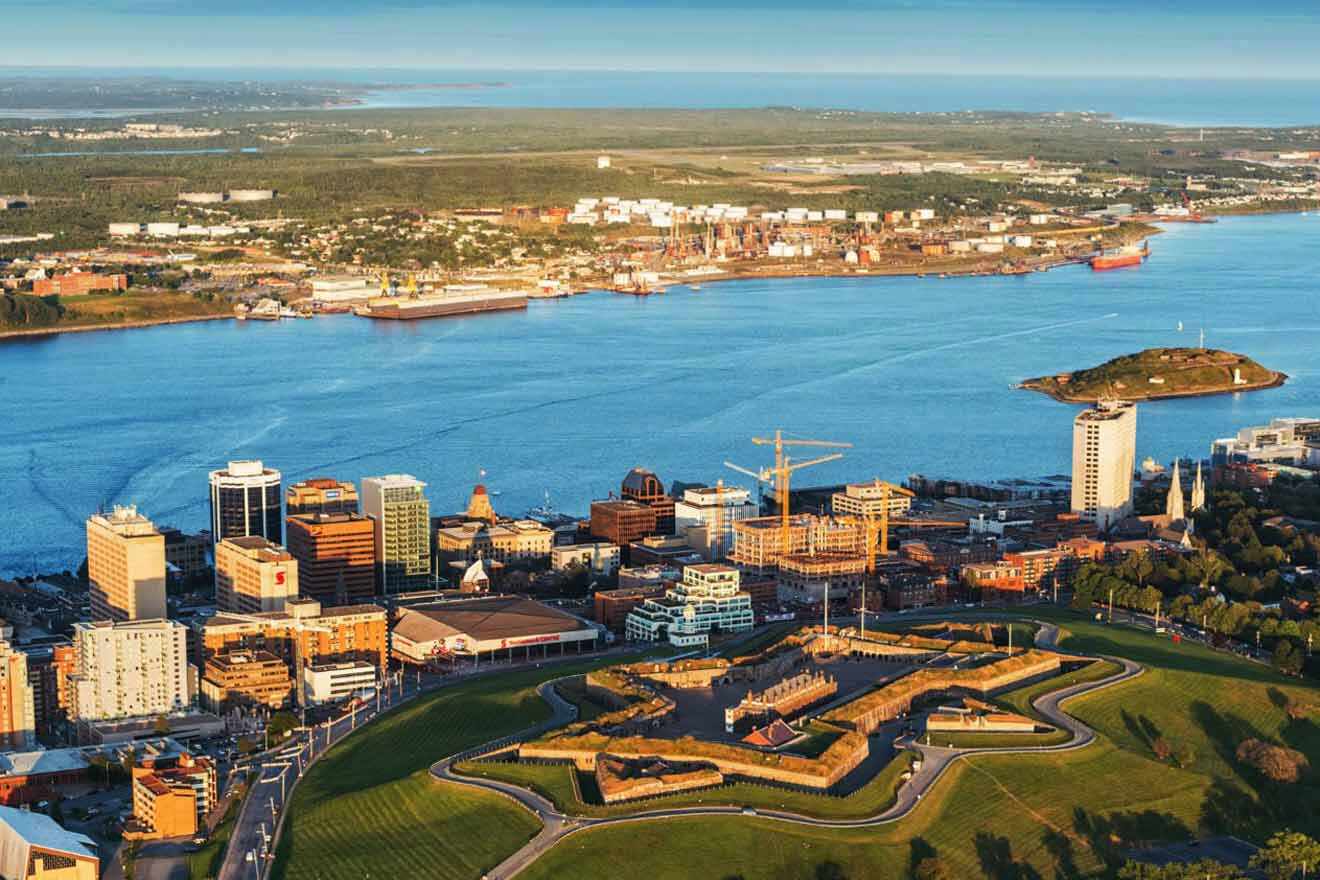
1276, 382
122, 325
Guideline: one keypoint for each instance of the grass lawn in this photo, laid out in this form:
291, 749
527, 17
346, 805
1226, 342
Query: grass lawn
370, 807
978, 739
1061, 815
555, 781
996, 816
575, 691
1020, 700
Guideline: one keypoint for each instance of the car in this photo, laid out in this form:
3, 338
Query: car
748, 811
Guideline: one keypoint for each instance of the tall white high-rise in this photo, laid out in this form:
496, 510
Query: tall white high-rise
1104, 455
397, 502
129, 669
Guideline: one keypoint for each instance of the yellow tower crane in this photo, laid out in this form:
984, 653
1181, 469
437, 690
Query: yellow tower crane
876, 529
779, 475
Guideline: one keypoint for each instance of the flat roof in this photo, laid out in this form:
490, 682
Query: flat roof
42, 762
486, 619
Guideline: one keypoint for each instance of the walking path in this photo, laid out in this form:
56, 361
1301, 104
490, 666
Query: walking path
935, 760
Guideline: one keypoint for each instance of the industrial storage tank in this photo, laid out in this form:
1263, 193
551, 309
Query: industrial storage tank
251, 195
202, 198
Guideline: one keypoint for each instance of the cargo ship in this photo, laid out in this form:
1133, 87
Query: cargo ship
443, 304
1129, 255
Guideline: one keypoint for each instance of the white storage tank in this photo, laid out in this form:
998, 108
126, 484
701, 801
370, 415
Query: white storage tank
251, 195
163, 230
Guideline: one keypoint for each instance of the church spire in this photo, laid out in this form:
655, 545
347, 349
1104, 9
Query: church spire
1198, 491
1173, 505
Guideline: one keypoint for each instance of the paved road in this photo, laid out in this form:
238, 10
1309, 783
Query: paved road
278, 770
935, 761
161, 860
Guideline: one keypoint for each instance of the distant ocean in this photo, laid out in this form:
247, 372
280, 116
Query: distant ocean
1190, 102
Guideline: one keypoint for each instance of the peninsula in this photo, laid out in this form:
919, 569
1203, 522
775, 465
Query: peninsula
1159, 373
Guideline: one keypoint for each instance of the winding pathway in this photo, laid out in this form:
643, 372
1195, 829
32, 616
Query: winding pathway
935, 760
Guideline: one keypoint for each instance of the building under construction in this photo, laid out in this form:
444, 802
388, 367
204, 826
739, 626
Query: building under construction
758, 543
805, 577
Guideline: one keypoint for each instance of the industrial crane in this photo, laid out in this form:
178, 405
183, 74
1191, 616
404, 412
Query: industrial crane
778, 476
876, 529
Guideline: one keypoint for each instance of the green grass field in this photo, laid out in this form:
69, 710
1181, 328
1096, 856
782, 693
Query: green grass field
205, 863
1020, 700
371, 809
1064, 815
555, 781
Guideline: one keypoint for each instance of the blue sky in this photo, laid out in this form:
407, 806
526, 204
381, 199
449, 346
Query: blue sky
1180, 38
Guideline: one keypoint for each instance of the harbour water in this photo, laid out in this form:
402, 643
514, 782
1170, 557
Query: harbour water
1174, 101
568, 395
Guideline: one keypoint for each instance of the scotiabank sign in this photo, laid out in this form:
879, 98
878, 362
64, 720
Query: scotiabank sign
531, 640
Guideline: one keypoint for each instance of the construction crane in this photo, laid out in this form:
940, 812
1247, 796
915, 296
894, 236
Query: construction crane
877, 526
778, 477
876, 530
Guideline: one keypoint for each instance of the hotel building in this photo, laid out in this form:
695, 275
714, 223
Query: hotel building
125, 566
129, 669
1104, 456
18, 727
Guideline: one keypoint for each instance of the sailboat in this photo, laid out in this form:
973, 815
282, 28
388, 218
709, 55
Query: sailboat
1180, 326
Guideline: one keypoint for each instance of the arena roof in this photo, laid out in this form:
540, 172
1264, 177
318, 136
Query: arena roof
483, 620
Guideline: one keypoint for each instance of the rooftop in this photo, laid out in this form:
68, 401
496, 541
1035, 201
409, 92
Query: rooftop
25, 830
496, 617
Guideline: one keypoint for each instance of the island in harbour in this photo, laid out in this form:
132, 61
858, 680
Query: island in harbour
1159, 373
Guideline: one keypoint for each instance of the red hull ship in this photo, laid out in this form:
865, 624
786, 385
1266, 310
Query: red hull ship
1128, 256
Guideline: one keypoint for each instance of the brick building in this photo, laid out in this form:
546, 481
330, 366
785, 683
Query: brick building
645, 487
336, 554
78, 283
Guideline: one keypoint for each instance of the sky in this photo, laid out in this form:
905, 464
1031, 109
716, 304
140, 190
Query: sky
1076, 38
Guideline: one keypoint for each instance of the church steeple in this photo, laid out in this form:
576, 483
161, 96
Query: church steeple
1198, 491
1173, 504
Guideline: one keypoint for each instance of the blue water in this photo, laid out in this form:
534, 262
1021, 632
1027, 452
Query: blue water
571, 393
1193, 102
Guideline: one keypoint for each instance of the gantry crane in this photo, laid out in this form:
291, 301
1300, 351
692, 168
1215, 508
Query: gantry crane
778, 476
